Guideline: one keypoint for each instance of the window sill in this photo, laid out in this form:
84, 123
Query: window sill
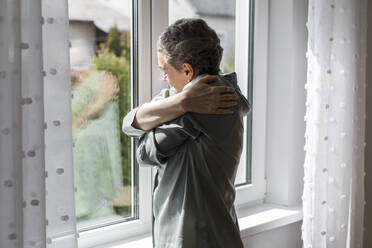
252, 220
264, 217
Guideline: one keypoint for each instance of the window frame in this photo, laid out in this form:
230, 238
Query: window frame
150, 19
254, 192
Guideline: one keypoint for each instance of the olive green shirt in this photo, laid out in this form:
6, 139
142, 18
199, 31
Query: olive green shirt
196, 157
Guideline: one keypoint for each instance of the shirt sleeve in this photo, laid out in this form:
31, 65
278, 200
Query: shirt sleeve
156, 146
128, 127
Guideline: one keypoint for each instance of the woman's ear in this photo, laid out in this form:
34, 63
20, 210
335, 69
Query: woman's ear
188, 71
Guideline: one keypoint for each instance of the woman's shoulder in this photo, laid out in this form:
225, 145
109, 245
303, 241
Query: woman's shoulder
164, 93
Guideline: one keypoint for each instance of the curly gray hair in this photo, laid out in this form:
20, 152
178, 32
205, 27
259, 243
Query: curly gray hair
194, 42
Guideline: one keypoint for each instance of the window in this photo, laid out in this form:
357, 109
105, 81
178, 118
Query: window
113, 195
112, 71
100, 56
251, 68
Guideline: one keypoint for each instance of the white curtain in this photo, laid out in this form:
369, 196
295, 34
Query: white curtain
333, 199
36, 173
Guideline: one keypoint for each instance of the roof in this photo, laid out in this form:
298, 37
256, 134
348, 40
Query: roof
103, 13
107, 13
217, 8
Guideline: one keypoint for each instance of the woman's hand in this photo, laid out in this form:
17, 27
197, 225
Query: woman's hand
206, 99
199, 98
107, 92
109, 89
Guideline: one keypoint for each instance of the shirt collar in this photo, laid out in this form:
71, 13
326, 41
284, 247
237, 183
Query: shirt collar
193, 81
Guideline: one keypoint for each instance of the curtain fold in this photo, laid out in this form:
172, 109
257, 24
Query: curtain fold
36, 172
333, 197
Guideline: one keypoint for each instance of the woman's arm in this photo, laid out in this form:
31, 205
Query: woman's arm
156, 146
199, 98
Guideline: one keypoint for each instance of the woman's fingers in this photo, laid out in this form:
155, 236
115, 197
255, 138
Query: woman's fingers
228, 97
227, 104
207, 99
223, 89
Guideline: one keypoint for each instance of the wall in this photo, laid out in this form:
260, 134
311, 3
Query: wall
283, 237
368, 149
286, 101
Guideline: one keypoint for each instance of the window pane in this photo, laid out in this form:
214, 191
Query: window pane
220, 15
100, 54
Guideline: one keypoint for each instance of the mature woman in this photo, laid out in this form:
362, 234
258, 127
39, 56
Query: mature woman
96, 136
196, 155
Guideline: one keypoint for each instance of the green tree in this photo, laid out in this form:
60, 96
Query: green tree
125, 45
114, 41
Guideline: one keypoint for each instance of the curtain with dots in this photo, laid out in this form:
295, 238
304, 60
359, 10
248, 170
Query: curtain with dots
333, 199
36, 174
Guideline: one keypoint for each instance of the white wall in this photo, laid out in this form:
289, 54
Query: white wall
286, 101
283, 237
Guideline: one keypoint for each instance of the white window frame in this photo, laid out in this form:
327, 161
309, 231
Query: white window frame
255, 192
152, 19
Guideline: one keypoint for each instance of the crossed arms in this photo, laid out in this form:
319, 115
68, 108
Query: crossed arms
160, 139
199, 98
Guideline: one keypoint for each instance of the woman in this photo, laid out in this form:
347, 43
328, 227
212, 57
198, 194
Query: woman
97, 160
196, 155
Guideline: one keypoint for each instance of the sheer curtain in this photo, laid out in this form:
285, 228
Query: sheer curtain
333, 199
36, 173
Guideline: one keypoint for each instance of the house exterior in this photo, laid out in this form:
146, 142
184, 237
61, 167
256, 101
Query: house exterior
90, 22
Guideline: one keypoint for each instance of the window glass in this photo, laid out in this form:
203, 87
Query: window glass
100, 56
220, 15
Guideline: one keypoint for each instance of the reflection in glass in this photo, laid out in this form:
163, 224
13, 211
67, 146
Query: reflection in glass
101, 88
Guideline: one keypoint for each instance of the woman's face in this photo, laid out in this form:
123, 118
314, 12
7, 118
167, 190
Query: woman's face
177, 78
